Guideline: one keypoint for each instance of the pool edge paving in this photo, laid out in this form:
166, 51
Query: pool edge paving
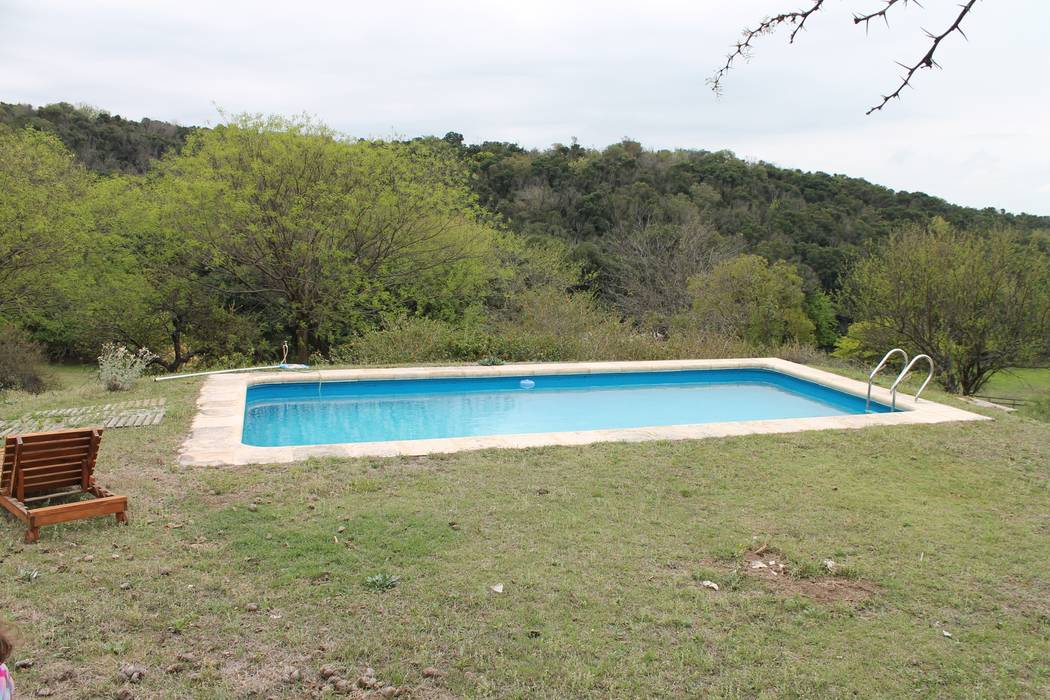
218, 425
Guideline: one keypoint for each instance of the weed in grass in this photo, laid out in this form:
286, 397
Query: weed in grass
822, 569
382, 582
117, 648
728, 553
27, 575
809, 570
727, 581
362, 486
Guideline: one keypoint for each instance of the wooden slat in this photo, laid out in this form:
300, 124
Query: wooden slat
49, 471
38, 454
59, 464
40, 477
17, 488
74, 511
52, 484
15, 508
88, 468
56, 436
81, 443
73, 490
38, 482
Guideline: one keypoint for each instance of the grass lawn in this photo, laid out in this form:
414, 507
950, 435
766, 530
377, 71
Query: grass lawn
1031, 385
1019, 383
256, 575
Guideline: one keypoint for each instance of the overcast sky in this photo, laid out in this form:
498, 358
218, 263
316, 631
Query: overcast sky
541, 72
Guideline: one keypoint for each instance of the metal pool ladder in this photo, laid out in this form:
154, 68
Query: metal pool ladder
871, 377
904, 373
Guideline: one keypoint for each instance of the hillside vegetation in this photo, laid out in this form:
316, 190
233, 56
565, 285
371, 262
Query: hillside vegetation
585, 195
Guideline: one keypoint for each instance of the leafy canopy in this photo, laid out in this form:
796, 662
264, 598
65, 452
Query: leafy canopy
975, 301
323, 234
748, 298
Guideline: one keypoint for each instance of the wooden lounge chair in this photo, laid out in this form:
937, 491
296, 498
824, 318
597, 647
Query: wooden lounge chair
41, 466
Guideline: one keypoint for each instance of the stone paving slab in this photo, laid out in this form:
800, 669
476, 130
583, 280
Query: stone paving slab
126, 414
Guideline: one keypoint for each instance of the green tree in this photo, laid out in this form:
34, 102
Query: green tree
150, 286
325, 234
748, 298
821, 311
41, 224
976, 302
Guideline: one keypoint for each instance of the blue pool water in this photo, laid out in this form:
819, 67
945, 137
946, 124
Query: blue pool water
317, 413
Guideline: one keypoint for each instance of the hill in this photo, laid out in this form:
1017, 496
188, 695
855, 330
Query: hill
818, 220
594, 199
105, 143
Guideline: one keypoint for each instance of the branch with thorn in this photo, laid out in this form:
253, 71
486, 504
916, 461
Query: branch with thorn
767, 26
742, 49
866, 19
927, 61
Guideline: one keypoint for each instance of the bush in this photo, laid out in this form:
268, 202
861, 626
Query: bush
119, 367
20, 362
821, 311
414, 341
975, 301
547, 325
748, 298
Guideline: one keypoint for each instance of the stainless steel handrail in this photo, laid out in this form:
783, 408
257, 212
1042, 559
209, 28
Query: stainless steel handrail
904, 373
871, 377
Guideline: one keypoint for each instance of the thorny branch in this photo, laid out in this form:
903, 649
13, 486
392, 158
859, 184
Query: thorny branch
866, 19
767, 26
927, 61
742, 49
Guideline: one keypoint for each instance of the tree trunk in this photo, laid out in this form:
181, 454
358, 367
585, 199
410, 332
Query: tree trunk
302, 346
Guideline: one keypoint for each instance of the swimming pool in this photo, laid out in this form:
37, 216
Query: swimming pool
319, 413
235, 408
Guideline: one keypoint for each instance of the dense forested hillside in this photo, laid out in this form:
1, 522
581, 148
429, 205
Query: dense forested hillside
816, 219
595, 199
103, 142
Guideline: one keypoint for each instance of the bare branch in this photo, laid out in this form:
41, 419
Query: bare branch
866, 19
767, 26
927, 61
742, 49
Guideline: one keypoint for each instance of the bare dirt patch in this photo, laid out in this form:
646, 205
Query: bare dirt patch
837, 590
770, 566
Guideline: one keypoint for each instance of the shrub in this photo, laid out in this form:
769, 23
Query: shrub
974, 301
413, 340
547, 325
20, 362
748, 298
119, 367
382, 582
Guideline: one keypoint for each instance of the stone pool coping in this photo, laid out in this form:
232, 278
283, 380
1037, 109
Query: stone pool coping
215, 435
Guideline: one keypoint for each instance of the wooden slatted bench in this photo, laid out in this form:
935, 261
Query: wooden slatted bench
41, 466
